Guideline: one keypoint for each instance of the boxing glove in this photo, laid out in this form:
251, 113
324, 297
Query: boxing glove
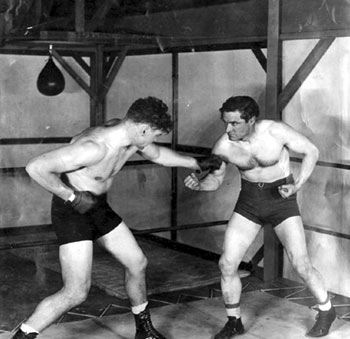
210, 163
83, 201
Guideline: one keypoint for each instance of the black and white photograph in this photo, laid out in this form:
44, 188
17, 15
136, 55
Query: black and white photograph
174, 169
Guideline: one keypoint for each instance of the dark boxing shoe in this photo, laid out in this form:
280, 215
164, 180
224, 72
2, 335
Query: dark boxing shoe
323, 323
21, 335
232, 328
144, 327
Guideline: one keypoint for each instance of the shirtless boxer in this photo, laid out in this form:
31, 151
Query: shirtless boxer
260, 150
79, 175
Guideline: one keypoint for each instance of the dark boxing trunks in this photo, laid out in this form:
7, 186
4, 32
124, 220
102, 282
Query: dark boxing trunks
71, 226
262, 203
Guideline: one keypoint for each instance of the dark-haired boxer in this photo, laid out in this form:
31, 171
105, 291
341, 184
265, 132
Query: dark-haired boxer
260, 150
79, 175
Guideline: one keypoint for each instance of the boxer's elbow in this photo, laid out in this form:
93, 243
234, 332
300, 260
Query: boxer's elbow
314, 152
34, 168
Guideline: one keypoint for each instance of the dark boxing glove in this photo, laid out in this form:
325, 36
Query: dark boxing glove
210, 163
83, 201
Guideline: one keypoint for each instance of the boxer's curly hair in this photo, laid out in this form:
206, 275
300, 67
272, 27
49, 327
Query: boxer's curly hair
246, 105
152, 111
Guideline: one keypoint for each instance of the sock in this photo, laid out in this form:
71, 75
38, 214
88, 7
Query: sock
139, 308
27, 329
233, 310
326, 306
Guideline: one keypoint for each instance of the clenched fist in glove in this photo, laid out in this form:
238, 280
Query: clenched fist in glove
210, 163
83, 201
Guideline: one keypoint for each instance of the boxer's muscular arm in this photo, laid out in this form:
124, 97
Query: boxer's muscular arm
167, 157
211, 182
214, 179
298, 143
46, 168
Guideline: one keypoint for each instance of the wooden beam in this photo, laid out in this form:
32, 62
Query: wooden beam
258, 256
34, 141
40, 48
260, 57
273, 255
174, 141
112, 73
274, 59
303, 72
334, 33
79, 16
82, 63
147, 39
272, 247
97, 107
73, 74
110, 60
100, 15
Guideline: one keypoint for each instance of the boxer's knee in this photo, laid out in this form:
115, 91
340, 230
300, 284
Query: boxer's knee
75, 294
228, 266
138, 265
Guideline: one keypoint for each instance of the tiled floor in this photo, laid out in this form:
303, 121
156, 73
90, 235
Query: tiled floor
23, 286
264, 316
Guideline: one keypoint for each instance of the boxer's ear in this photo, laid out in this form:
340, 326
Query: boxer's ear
252, 120
143, 129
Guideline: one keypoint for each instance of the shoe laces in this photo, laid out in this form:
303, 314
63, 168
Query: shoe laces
146, 325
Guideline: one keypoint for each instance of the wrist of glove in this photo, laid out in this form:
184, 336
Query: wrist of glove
83, 201
210, 163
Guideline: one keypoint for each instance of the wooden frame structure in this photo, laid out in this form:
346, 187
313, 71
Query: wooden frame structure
274, 22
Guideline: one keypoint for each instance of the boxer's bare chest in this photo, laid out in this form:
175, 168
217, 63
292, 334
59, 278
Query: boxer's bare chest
111, 164
260, 152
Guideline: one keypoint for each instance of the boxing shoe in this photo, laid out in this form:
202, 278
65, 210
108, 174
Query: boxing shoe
21, 335
324, 320
232, 328
144, 327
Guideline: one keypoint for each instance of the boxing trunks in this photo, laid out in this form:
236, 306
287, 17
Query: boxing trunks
262, 202
71, 226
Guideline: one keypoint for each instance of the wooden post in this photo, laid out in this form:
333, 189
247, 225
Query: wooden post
274, 61
273, 254
174, 141
273, 258
97, 106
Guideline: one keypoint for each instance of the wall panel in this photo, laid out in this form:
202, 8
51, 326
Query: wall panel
320, 110
26, 113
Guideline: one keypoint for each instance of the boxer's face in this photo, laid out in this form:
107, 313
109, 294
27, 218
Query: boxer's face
236, 127
149, 135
